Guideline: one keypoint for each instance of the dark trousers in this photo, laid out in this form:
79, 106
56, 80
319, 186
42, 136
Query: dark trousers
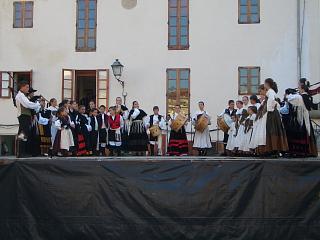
93, 141
24, 147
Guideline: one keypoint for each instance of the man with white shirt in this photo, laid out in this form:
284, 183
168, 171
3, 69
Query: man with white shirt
156, 120
24, 107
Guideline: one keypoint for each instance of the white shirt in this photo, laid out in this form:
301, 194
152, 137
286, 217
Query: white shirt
21, 99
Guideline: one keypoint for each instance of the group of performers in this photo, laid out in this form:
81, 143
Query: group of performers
254, 126
269, 126
67, 129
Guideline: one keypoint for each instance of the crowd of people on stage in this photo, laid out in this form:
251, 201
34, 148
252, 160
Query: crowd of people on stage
253, 126
69, 129
267, 126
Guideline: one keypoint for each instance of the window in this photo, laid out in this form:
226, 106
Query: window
249, 11
178, 25
102, 87
178, 89
249, 80
67, 84
23, 14
4, 84
86, 25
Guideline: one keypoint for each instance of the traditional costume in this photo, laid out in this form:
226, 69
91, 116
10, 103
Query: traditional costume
138, 138
156, 120
232, 134
229, 112
83, 128
54, 118
44, 127
94, 135
115, 123
24, 107
178, 142
242, 114
270, 136
298, 127
103, 131
64, 138
202, 140
124, 112
248, 129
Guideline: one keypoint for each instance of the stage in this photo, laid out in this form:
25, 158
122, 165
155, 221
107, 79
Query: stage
159, 198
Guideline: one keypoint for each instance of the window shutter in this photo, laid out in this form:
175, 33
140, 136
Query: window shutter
102, 87
67, 84
4, 85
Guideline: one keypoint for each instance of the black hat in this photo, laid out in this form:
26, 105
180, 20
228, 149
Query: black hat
31, 90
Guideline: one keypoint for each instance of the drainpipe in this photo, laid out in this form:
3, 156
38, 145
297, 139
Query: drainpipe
299, 39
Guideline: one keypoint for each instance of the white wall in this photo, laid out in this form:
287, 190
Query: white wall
138, 37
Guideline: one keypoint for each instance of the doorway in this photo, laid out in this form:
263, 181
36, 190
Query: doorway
85, 86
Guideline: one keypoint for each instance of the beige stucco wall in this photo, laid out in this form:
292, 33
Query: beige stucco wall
138, 37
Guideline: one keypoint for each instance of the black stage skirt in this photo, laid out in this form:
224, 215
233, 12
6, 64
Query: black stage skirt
114, 139
178, 143
138, 137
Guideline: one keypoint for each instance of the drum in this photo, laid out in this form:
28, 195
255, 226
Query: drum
224, 122
155, 131
177, 124
202, 123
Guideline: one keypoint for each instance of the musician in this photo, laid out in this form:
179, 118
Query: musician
229, 112
254, 101
156, 120
115, 122
138, 137
103, 128
178, 142
202, 139
24, 107
73, 113
245, 100
44, 127
241, 114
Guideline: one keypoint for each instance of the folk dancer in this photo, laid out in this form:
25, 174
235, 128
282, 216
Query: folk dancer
138, 137
115, 123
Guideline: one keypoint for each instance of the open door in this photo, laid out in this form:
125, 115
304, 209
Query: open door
67, 84
102, 97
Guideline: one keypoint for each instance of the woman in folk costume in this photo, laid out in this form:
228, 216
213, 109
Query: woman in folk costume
242, 114
115, 123
138, 137
248, 128
298, 126
64, 137
178, 142
274, 140
44, 126
202, 141
231, 144
156, 121
124, 113
53, 108
83, 128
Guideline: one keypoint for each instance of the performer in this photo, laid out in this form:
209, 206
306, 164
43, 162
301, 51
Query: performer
94, 134
83, 129
241, 114
115, 122
138, 138
229, 111
178, 142
272, 138
156, 121
202, 140
244, 146
231, 144
103, 128
245, 101
44, 126
53, 109
24, 107
124, 112
64, 138
73, 113
254, 101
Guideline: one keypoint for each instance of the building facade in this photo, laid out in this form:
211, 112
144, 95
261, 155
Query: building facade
173, 51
